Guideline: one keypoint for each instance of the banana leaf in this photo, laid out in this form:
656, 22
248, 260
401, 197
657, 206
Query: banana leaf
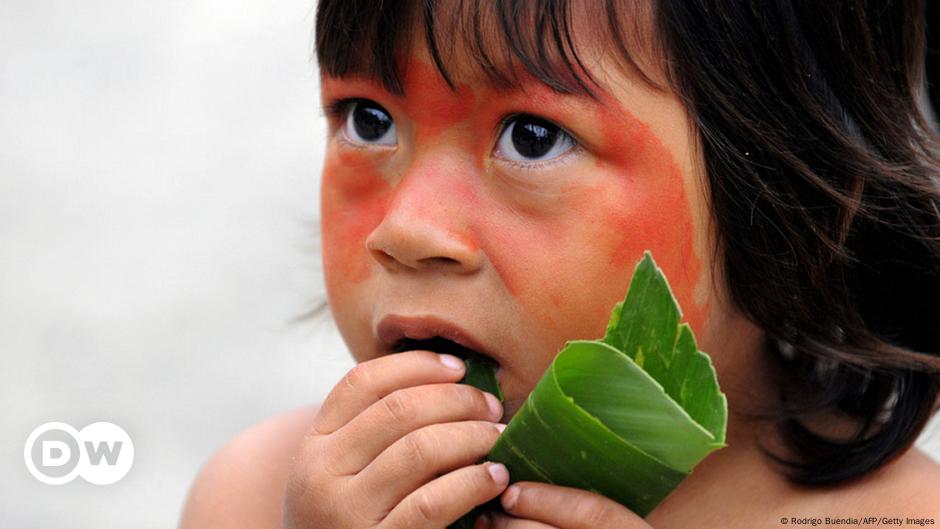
627, 416
481, 374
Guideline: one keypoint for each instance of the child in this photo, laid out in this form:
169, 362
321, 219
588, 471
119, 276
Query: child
495, 169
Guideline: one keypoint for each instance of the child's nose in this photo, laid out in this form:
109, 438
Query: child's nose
427, 224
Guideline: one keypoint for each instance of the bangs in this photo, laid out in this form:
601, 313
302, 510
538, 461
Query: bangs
495, 38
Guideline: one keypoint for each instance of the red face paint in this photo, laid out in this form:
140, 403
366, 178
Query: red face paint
662, 219
432, 104
559, 243
352, 202
355, 196
637, 201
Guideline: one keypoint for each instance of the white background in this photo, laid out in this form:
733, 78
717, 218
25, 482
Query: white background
159, 167
158, 230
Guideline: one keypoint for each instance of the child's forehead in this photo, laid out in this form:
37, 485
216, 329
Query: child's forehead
425, 91
420, 76
420, 73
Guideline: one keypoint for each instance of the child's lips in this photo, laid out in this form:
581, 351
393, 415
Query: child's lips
395, 331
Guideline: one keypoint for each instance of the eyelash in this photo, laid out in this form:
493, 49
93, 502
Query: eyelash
336, 110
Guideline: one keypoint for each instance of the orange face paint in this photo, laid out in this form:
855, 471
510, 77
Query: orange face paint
662, 220
355, 196
432, 104
352, 202
561, 241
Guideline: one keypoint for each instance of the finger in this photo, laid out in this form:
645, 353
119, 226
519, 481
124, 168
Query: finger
420, 456
368, 382
502, 521
567, 507
447, 498
404, 411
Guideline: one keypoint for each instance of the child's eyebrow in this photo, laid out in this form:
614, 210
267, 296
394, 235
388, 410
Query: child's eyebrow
558, 77
528, 87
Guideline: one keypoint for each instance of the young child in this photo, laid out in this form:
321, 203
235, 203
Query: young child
494, 171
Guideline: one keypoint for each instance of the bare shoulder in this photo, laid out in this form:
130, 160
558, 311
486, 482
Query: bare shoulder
908, 487
913, 484
242, 485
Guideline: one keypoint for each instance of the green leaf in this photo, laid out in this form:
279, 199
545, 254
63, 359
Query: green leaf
646, 328
481, 374
627, 416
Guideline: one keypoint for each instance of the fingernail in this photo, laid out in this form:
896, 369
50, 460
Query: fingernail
483, 522
495, 407
500, 426
498, 472
510, 496
451, 361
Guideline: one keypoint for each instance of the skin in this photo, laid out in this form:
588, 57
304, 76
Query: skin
525, 258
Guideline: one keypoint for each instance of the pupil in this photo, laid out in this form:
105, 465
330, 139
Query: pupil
533, 137
371, 121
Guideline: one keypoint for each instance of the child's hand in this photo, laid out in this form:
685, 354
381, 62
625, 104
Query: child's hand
394, 446
541, 506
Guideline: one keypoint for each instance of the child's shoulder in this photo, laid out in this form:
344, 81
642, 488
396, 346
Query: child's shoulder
909, 487
913, 483
242, 484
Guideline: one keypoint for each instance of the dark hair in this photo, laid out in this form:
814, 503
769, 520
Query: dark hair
821, 167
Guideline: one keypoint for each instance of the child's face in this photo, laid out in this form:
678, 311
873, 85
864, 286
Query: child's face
524, 237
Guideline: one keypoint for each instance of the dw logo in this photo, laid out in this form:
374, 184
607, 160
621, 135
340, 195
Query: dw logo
101, 453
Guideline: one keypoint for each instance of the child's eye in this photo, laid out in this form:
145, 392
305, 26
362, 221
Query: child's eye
368, 123
527, 138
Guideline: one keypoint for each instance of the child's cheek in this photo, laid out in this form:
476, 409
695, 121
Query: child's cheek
521, 250
656, 219
570, 270
353, 201
649, 208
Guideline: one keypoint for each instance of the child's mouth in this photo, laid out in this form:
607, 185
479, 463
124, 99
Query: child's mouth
439, 344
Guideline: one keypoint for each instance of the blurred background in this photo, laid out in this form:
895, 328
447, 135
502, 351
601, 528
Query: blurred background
159, 166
